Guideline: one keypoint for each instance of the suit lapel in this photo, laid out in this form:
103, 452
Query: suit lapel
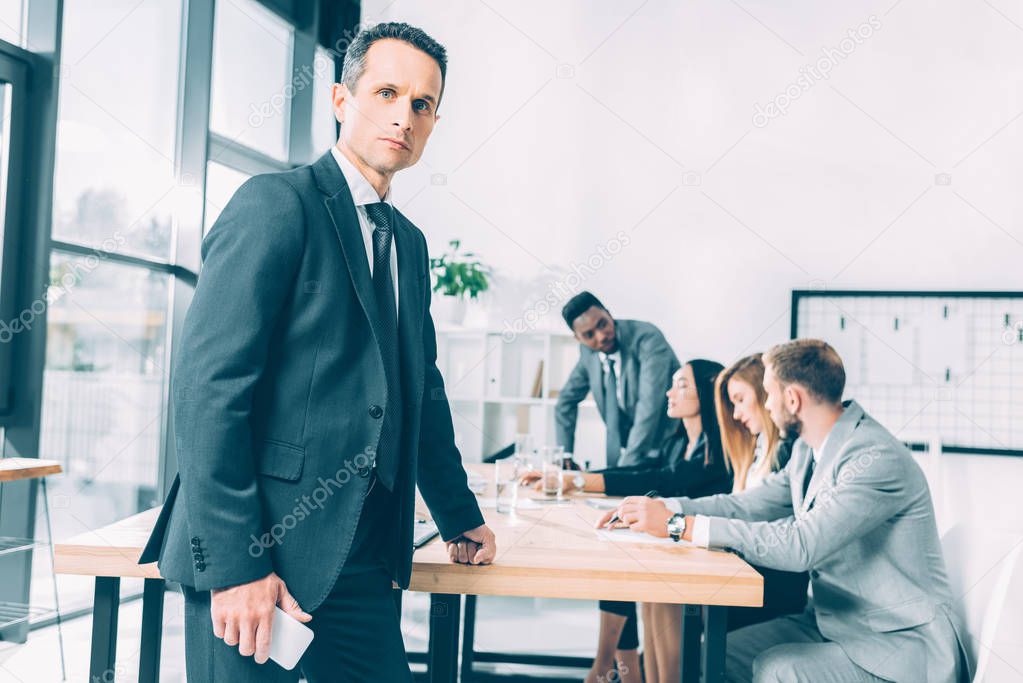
346, 222
837, 439
341, 207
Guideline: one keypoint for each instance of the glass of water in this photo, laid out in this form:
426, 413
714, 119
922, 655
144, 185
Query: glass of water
506, 482
551, 474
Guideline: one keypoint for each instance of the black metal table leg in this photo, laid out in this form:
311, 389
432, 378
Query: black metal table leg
468, 638
715, 621
105, 604
444, 623
690, 645
152, 630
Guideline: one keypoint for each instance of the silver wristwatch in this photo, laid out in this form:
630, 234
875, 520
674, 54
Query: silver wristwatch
676, 527
579, 481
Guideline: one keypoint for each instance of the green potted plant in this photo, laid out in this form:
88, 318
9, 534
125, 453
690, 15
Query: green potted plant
458, 276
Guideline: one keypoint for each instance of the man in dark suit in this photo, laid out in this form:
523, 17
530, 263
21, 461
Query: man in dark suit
307, 400
628, 366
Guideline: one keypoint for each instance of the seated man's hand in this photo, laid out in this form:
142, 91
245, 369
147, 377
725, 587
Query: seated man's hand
476, 546
640, 513
530, 477
536, 478
243, 615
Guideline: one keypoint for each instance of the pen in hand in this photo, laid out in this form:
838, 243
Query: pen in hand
615, 518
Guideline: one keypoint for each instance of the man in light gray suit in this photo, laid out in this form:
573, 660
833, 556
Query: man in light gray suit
853, 508
628, 365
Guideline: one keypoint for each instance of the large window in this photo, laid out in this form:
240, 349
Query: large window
138, 126
114, 191
118, 107
103, 399
251, 97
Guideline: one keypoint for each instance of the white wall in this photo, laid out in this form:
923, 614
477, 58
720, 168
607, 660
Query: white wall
649, 131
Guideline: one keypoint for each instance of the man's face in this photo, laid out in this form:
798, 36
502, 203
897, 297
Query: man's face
596, 329
782, 403
391, 114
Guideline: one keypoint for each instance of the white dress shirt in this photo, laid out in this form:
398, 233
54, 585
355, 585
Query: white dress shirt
363, 194
755, 475
701, 523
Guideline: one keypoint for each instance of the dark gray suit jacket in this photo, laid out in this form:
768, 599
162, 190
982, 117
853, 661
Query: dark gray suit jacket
278, 392
647, 366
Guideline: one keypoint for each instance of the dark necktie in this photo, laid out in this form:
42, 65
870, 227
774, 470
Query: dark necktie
388, 450
612, 415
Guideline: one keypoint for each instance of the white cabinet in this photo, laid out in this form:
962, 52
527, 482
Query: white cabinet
500, 385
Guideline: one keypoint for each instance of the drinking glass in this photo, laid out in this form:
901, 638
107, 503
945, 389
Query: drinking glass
551, 474
506, 482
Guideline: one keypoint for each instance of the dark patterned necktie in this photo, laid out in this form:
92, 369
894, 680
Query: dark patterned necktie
388, 451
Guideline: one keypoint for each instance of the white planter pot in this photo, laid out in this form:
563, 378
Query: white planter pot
449, 309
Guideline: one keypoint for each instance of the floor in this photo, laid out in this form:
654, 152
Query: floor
565, 627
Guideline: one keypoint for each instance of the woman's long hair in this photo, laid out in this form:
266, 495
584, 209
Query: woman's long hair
739, 444
705, 372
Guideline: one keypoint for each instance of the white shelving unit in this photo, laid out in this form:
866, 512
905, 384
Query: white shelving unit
490, 380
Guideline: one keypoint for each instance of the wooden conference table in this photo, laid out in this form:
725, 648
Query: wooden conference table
544, 550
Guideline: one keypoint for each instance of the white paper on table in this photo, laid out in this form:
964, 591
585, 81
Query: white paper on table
604, 503
623, 535
520, 504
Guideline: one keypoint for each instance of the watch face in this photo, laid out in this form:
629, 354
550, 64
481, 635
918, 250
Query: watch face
676, 526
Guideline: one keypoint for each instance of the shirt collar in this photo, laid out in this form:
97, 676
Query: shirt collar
817, 451
361, 189
616, 357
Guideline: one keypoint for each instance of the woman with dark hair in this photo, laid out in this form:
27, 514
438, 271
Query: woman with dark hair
693, 465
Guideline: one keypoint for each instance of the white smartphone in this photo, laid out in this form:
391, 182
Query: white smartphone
289, 639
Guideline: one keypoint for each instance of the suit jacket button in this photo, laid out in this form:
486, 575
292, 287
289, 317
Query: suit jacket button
814, 574
201, 566
376, 412
195, 540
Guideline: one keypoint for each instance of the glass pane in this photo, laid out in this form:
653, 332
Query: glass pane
114, 180
251, 96
221, 184
11, 14
103, 401
324, 123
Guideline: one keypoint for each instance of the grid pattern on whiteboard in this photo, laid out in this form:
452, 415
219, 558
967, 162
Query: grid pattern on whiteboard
928, 365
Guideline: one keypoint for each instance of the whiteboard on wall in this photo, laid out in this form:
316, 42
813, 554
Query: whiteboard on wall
929, 366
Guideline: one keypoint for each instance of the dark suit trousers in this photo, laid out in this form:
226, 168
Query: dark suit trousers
357, 633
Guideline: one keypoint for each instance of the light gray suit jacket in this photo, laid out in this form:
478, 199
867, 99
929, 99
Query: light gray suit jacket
866, 533
647, 366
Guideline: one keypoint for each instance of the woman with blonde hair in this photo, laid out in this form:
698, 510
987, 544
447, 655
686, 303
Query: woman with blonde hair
752, 445
754, 450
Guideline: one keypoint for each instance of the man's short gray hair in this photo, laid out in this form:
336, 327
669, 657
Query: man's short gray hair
355, 56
